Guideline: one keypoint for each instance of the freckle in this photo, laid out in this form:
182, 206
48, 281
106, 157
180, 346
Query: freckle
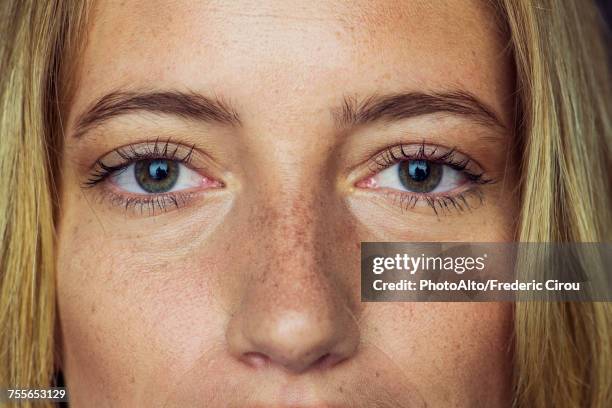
93, 308
340, 389
132, 380
377, 374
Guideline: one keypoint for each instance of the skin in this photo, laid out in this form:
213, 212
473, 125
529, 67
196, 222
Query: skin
248, 293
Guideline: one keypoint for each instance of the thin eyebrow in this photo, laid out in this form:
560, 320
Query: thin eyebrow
399, 106
188, 105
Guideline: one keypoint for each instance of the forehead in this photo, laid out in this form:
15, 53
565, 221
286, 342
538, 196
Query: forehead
260, 49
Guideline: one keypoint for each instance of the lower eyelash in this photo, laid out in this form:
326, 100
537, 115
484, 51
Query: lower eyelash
441, 204
152, 204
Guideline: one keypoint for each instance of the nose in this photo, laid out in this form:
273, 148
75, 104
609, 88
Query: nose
295, 311
295, 340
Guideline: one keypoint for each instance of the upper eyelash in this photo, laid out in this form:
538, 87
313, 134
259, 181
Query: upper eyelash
129, 154
389, 157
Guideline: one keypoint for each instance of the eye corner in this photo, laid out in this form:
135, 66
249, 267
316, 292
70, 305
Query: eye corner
367, 182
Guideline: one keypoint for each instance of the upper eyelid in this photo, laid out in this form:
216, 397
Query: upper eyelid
434, 153
166, 149
101, 169
142, 151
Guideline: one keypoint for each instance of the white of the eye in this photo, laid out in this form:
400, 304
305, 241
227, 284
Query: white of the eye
126, 179
389, 178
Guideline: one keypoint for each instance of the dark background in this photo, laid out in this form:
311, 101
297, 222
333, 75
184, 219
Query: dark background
606, 9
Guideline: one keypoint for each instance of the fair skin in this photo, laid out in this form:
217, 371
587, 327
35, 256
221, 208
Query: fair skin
241, 287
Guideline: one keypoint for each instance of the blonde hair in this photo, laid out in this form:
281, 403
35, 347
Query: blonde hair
563, 354
562, 350
34, 37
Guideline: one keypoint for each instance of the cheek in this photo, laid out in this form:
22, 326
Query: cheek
381, 218
130, 319
453, 351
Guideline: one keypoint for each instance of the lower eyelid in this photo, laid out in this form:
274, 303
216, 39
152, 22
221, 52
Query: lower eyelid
147, 204
441, 204
150, 204
464, 187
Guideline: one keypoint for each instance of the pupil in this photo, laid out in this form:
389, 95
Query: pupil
158, 169
418, 170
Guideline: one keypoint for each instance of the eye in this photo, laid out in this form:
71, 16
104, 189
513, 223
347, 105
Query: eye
157, 176
444, 179
419, 176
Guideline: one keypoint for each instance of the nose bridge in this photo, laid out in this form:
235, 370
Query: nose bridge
294, 270
293, 205
294, 229
294, 312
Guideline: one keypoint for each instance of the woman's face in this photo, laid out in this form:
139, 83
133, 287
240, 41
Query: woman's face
222, 163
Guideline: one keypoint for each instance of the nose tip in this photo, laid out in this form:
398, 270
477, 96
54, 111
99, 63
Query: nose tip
295, 341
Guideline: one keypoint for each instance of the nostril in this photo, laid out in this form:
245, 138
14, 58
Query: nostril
326, 361
317, 337
255, 360
322, 362
260, 360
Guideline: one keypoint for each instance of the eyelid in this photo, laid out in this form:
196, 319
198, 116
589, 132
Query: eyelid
120, 158
147, 150
437, 154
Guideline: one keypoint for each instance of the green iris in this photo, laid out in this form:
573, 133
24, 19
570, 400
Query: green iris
420, 176
156, 176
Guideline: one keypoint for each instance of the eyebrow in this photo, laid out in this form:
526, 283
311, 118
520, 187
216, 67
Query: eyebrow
354, 112
189, 105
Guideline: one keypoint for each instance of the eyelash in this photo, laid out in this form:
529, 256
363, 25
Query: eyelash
440, 203
443, 203
129, 155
